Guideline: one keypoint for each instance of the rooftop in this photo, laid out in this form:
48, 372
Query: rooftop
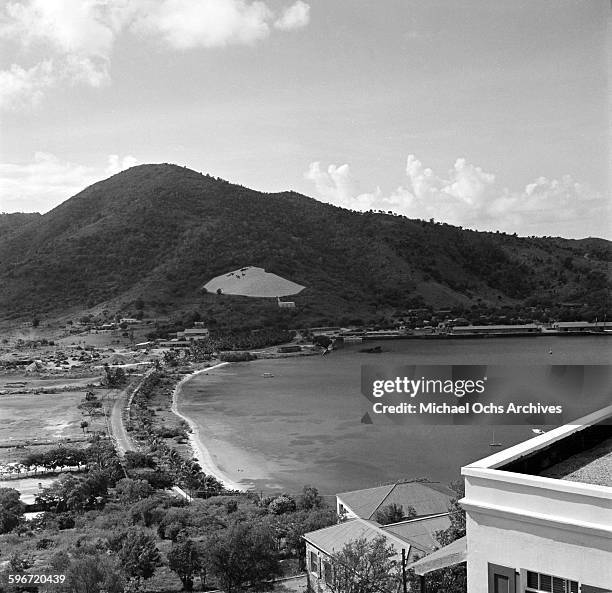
420, 532
427, 498
579, 452
416, 536
332, 540
593, 466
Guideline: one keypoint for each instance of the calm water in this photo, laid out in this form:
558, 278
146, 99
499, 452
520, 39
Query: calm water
303, 425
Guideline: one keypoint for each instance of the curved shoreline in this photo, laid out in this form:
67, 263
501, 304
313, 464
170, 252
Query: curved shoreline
201, 453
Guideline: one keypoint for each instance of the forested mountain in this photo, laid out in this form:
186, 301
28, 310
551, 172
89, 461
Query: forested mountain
157, 233
10, 222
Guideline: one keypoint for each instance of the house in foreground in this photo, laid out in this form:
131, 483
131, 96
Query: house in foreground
539, 515
409, 539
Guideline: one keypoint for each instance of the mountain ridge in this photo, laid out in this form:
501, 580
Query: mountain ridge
159, 232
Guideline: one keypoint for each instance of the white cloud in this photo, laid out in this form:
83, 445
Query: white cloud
116, 164
337, 187
70, 26
469, 196
20, 87
186, 24
294, 17
47, 181
78, 37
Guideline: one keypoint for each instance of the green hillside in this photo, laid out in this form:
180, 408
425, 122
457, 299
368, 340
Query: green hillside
158, 233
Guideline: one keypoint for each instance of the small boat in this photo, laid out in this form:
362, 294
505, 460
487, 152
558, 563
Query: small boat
494, 443
267, 375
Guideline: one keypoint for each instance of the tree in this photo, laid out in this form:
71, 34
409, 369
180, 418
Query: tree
454, 578
129, 490
93, 573
365, 567
11, 509
185, 560
139, 556
391, 513
84, 425
113, 378
138, 459
243, 556
310, 499
282, 504
297, 524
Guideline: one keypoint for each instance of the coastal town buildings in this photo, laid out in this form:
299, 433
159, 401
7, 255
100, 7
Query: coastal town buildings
582, 326
529, 328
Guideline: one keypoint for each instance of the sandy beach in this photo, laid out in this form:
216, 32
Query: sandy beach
201, 453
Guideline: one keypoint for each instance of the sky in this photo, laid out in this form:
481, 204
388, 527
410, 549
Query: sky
488, 114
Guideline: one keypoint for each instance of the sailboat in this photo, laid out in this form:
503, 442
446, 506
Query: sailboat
494, 443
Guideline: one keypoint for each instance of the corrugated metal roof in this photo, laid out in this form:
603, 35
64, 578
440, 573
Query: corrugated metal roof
450, 555
415, 536
333, 539
427, 498
420, 532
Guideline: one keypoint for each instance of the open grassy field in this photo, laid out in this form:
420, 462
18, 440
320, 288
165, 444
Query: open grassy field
43, 416
33, 421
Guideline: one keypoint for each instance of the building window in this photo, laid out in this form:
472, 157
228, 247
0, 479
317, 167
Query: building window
545, 583
327, 572
501, 579
314, 563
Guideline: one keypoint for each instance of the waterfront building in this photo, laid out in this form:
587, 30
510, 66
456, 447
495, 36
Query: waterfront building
529, 328
582, 326
193, 334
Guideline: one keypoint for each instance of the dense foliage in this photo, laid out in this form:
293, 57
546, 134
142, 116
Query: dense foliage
153, 235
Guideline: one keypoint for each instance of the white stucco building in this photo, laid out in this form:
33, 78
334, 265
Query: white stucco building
539, 514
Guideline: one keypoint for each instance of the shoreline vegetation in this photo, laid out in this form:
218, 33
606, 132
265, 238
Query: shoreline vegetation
199, 449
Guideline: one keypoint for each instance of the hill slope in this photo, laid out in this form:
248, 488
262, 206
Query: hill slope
159, 232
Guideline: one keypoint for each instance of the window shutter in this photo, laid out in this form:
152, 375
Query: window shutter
501, 579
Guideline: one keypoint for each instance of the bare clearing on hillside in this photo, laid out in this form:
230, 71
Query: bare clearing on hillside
253, 282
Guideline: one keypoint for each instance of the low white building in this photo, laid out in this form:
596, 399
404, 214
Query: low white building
194, 334
582, 326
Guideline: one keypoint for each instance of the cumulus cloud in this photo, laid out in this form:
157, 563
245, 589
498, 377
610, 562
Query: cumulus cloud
469, 196
186, 24
294, 17
20, 86
47, 181
116, 164
336, 186
77, 37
